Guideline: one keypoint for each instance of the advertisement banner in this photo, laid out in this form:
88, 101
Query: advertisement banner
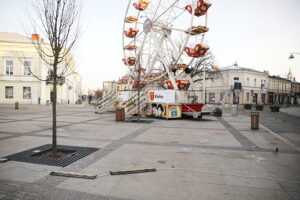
162, 96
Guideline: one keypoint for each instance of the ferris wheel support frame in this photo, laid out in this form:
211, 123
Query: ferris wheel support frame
158, 54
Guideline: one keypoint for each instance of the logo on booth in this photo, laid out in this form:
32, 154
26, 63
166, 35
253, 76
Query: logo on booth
151, 96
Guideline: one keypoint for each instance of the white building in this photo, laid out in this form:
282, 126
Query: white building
254, 86
17, 54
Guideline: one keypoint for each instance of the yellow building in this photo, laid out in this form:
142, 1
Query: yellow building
18, 58
279, 90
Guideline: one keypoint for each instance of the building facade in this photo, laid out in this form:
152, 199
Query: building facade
22, 72
109, 86
295, 92
279, 90
122, 84
254, 86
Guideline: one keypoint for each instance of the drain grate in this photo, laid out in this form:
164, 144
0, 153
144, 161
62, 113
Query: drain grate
30, 156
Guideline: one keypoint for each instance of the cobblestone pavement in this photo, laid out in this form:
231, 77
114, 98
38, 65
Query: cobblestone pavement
209, 158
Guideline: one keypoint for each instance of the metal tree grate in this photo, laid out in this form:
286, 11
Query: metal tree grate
30, 156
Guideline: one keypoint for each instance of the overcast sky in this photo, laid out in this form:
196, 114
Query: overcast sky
258, 34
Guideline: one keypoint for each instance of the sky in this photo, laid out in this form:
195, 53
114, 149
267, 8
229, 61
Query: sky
256, 34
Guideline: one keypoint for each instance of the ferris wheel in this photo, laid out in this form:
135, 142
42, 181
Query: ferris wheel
161, 39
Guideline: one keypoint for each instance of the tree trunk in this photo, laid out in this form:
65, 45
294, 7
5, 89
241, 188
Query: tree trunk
54, 100
139, 91
138, 113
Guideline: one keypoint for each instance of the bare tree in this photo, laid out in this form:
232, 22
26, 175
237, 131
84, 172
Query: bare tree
206, 63
58, 23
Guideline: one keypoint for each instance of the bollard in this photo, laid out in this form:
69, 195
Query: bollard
254, 120
16, 105
120, 114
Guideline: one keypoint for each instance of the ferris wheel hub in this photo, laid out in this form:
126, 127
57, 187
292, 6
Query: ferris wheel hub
147, 25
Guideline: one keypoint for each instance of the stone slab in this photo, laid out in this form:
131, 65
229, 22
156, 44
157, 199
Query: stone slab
24, 172
26, 127
189, 136
180, 169
257, 138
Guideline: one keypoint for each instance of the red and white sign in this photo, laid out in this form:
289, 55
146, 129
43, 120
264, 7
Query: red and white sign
162, 96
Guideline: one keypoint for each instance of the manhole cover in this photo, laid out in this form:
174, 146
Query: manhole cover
34, 155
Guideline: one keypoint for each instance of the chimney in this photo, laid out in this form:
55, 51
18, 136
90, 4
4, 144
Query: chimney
35, 37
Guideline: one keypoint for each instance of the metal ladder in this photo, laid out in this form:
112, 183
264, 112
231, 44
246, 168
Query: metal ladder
105, 102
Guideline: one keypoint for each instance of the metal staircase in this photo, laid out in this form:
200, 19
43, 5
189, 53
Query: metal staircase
105, 102
131, 105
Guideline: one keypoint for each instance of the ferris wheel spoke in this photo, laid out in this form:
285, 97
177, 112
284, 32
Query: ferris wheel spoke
183, 11
162, 57
154, 15
171, 6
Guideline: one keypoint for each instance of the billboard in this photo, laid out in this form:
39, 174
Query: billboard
162, 96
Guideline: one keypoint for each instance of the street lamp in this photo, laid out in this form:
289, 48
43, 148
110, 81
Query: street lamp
292, 55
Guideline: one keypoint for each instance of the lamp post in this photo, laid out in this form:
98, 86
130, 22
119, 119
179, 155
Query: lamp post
292, 55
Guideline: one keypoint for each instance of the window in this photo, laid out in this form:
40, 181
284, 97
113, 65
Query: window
211, 97
248, 81
262, 85
9, 67
26, 92
27, 67
254, 98
221, 96
9, 92
255, 82
236, 79
248, 97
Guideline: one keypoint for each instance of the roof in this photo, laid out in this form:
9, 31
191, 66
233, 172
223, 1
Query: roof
13, 37
280, 78
123, 80
238, 68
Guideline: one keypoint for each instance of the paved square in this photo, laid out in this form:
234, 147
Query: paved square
212, 158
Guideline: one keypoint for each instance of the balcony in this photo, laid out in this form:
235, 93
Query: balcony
59, 80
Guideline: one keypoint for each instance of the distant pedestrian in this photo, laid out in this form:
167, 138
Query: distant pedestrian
90, 98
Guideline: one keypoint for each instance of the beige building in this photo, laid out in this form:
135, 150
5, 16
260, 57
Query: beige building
254, 86
18, 58
109, 86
